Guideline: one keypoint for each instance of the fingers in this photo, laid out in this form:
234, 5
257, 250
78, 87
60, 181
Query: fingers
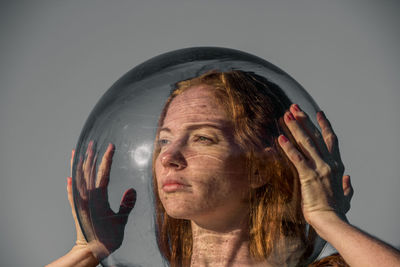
71, 201
331, 142
128, 202
92, 175
72, 159
70, 196
318, 163
88, 166
103, 175
347, 187
329, 135
303, 119
80, 180
79, 177
308, 136
80, 239
293, 154
347, 192
303, 139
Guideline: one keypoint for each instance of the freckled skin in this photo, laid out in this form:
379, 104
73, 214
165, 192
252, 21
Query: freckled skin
215, 193
217, 187
197, 150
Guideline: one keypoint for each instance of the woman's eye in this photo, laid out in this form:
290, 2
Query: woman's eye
204, 139
163, 142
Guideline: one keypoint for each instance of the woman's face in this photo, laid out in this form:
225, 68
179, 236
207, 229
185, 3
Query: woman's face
200, 171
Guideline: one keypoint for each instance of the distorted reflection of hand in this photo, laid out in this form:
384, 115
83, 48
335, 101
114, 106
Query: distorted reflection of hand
317, 159
104, 228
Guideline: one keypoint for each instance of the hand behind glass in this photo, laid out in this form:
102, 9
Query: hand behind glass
103, 227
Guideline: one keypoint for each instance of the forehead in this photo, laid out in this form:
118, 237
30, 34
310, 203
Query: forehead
196, 104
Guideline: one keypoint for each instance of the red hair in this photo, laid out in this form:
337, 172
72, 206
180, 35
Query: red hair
276, 223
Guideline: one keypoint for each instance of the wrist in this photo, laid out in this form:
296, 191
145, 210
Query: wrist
84, 255
325, 221
78, 256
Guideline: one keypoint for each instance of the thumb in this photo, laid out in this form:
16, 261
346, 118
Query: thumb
70, 196
347, 188
128, 202
80, 239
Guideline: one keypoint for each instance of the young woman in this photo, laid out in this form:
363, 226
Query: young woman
238, 171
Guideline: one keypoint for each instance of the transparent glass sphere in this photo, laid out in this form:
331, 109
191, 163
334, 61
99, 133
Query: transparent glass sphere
126, 116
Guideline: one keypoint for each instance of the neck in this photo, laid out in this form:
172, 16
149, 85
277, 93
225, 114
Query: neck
227, 248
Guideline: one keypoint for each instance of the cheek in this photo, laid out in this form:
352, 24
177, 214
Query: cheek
209, 158
218, 169
220, 182
197, 156
157, 170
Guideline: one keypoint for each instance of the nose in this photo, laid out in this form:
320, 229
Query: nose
173, 158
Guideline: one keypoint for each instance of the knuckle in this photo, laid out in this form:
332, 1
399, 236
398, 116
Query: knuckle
295, 157
308, 141
309, 177
298, 157
325, 170
301, 114
331, 138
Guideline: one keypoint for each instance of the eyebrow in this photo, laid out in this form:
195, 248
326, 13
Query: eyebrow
196, 126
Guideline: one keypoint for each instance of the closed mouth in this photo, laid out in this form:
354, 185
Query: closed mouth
173, 185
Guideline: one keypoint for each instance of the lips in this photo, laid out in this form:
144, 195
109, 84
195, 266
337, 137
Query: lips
173, 185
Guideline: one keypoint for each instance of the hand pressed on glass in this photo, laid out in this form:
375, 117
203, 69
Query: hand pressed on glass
107, 231
228, 191
319, 165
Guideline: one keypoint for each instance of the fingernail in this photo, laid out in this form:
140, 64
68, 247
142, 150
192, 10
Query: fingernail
111, 147
320, 115
289, 116
296, 107
283, 138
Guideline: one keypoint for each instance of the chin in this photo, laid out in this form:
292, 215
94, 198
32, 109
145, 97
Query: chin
178, 211
178, 214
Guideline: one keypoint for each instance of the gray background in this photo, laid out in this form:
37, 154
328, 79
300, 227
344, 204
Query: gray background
59, 57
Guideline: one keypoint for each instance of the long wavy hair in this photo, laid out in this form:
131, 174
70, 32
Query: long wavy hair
276, 224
